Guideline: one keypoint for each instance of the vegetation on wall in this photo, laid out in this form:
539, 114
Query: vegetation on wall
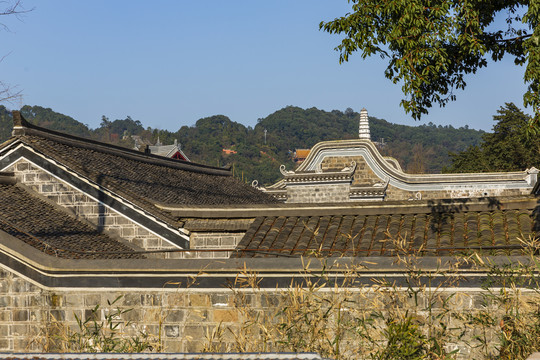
428, 317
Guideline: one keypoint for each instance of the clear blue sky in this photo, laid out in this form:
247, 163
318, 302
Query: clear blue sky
169, 63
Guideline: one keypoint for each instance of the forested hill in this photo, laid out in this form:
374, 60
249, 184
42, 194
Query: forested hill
419, 149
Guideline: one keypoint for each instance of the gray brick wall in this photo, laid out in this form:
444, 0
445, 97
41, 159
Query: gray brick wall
210, 240
180, 320
318, 193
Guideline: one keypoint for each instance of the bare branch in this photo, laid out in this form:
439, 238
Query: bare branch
10, 93
12, 8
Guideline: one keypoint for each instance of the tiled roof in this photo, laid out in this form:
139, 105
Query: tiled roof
151, 181
427, 230
48, 229
167, 151
302, 153
141, 178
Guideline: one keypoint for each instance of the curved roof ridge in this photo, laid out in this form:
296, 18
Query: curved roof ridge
391, 171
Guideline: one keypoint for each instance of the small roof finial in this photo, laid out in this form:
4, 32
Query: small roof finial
19, 123
363, 128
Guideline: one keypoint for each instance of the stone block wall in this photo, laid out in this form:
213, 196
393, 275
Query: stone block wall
363, 174
453, 192
85, 207
181, 320
176, 320
213, 240
318, 193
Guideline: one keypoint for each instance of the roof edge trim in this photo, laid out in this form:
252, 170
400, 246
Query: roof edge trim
352, 208
54, 266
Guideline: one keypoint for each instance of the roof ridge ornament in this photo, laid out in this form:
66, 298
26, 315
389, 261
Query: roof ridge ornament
255, 184
363, 127
532, 177
19, 123
350, 168
285, 172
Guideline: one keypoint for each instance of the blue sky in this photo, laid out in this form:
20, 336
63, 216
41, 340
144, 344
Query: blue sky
169, 63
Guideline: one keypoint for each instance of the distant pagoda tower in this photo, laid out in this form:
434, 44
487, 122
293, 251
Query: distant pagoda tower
363, 129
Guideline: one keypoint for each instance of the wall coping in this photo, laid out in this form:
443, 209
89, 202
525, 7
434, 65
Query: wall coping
52, 272
354, 208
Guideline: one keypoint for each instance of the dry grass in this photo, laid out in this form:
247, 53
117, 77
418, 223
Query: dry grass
427, 317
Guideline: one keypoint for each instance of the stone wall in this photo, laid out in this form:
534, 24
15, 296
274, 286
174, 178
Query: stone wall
213, 240
177, 320
183, 319
453, 192
87, 208
363, 174
318, 193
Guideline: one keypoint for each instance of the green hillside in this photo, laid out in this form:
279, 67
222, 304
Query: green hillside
419, 149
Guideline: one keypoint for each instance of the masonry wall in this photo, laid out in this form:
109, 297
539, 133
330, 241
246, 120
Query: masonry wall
176, 320
453, 192
206, 241
85, 207
362, 176
318, 193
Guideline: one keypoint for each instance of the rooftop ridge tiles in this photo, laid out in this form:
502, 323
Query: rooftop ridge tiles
352, 208
22, 127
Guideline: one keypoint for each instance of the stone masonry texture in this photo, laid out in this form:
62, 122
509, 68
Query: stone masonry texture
318, 193
212, 240
176, 320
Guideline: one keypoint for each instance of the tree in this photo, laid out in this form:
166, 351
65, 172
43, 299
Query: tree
418, 163
432, 44
9, 93
508, 148
349, 112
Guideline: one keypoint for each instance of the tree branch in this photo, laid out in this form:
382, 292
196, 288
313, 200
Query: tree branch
14, 9
517, 38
